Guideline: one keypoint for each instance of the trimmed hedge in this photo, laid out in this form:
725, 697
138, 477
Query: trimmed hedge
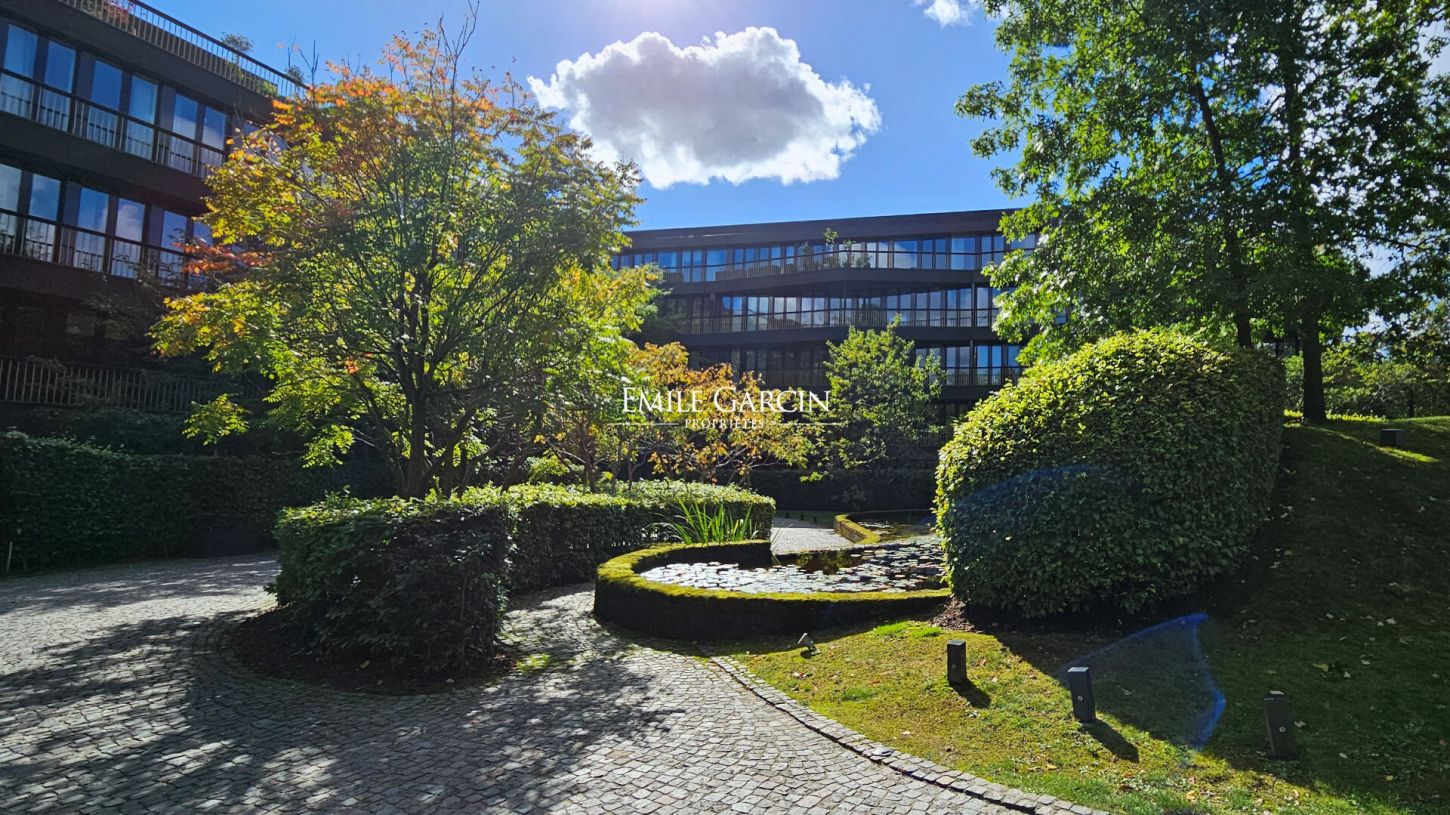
66, 504
861, 489
562, 535
1129, 473
683, 612
421, 583
425, 582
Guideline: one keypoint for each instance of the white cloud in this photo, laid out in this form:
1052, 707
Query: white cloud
737, 107
947, 12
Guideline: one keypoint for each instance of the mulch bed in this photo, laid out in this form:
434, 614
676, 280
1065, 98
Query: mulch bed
267, 646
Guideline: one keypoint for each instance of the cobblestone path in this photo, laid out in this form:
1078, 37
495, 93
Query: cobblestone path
116, 695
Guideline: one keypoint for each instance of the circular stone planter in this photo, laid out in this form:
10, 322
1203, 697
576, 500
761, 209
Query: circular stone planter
622, 596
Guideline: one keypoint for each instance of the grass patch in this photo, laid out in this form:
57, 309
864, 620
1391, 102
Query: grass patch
1342, 605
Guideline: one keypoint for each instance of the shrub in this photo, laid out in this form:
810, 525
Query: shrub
1128, 473
561, 535
420, 583
67, 504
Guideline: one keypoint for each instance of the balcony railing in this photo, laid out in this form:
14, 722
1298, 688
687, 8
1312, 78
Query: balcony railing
24, 97
65, 384
858, 318
175, 37
816, 377
52, 242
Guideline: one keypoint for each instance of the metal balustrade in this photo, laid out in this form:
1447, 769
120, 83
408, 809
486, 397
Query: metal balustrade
46, 240
197, 47
33, 381
23, 97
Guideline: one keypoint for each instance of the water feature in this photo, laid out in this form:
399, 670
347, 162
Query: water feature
910, 558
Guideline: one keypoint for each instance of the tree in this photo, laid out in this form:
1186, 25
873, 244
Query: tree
880, 404
710, 423
404, 256
1219, 166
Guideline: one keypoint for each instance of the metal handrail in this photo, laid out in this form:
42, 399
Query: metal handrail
24, 97
173, 36
32, 381
80, 248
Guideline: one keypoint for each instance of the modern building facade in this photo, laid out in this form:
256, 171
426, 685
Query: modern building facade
768, 297
111, 115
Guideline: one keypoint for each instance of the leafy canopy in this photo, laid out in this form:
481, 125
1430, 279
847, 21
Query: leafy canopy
411, 257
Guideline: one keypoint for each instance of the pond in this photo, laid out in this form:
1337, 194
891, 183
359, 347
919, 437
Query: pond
912, 560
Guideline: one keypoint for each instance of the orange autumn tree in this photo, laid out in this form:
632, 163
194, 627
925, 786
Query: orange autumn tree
718, 426
407, 254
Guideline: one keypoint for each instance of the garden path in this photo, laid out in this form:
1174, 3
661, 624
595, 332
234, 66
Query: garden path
117, 695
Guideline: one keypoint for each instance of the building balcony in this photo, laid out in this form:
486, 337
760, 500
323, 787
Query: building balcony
178, 39
71, 114
45, 241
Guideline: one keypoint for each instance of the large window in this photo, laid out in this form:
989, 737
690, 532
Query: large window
17, 92
50, 82
942, 252
80, 226
963, 307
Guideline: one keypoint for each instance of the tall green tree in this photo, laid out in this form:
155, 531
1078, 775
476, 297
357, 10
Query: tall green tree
1222, 166
406, 255
881, 396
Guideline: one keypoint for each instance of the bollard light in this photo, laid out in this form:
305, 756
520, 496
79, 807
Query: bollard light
1080, 685
1281, 725
957, 662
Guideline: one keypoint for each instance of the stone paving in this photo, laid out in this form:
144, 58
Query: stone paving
117, 696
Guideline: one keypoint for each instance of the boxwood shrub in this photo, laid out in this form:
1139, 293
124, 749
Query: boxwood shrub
562, 534
1130, 472
417, 583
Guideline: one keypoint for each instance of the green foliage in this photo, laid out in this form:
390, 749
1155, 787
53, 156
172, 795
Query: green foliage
700, 524
1125, 474
124, 429
1399, 370
881, 398
562, 534
417, 257
1179, 176
408, 583
423, 582
66, 504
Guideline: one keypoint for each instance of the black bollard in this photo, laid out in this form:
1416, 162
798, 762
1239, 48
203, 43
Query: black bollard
956, 661
1281, 725
1080, 685
1392, 437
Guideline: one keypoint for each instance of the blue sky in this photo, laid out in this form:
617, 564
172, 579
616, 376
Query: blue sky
875, 78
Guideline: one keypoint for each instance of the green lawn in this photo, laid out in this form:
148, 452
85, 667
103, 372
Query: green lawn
1345, 606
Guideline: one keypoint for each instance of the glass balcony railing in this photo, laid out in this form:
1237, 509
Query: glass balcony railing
26, 98
859, 318
46, 240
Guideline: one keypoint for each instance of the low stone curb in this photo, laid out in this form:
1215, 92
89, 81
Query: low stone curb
904, 763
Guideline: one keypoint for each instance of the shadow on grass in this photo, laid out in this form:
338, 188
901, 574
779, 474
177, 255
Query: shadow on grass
974, 696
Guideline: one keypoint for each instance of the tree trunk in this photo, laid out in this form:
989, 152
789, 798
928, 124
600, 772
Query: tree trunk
1313, 351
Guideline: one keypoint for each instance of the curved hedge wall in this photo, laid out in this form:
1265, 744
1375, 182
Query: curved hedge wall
1130, 472
622, 596
419, 583
562, 535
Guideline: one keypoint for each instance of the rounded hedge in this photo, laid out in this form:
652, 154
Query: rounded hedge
1130, 472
